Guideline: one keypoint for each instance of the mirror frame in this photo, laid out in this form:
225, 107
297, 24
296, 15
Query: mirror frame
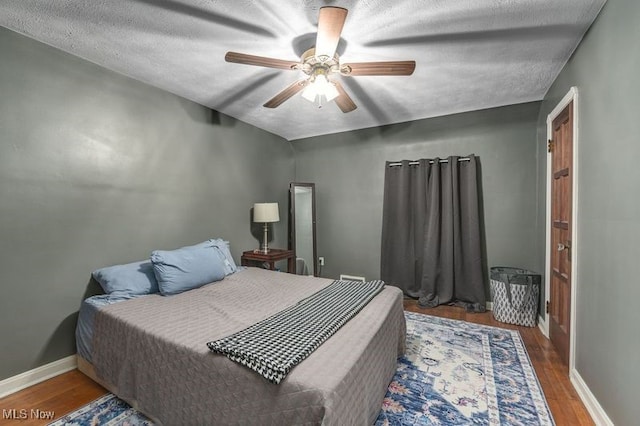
292, 220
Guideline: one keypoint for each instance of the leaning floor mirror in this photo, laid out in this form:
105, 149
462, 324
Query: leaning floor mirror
302, 227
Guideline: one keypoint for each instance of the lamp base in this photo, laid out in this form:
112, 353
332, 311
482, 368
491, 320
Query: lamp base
264, 247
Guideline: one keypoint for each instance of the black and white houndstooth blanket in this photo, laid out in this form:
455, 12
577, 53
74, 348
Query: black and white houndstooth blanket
273, 346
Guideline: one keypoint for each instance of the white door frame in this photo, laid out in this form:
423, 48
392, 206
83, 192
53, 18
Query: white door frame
571, 96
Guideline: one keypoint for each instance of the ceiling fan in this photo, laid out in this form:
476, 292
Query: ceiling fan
320, 62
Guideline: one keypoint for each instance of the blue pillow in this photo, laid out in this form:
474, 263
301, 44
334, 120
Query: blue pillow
223, 249
186, 268
130, 279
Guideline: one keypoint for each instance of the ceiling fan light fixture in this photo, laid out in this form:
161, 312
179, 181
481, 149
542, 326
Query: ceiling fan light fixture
319, 86
310, 92
331, 93
319, 62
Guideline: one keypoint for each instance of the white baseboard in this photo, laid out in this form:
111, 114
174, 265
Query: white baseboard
37, 375
598, 415
542, 325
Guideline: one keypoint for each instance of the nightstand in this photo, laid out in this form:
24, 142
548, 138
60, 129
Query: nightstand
251, 258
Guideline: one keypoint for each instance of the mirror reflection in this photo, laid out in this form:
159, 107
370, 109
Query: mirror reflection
302, 227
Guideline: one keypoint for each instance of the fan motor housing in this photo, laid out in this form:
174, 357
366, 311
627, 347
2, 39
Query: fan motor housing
314, 66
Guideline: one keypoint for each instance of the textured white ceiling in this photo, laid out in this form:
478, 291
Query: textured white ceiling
470, 54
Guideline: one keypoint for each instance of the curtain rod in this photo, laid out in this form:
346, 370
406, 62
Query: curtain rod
415, 163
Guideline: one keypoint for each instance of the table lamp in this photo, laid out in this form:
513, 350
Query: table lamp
265, 213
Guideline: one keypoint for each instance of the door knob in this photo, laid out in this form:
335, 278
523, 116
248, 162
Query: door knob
561, 247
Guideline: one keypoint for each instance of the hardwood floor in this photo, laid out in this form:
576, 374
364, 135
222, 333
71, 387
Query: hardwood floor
62, 394
72, 390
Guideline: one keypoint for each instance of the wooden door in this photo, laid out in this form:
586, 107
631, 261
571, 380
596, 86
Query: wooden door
561, 148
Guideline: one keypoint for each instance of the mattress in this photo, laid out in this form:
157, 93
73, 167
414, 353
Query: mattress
151, 351
88, 310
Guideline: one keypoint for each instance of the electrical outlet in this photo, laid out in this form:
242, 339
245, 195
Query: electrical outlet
321, 261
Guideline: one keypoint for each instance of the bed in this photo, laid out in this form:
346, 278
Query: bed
152, 352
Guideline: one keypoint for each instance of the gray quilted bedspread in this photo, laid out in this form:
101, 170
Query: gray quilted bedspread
273, 346
152, 352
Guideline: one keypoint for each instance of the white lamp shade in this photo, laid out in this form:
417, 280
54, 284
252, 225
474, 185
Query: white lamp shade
266, 212
320, 86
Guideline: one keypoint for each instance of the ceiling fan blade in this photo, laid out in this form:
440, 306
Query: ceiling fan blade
330, 23
291, 90
344, 101
379, 68
260, 61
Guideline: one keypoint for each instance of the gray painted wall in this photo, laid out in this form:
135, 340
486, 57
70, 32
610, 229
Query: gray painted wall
605, 70
348, 169
97, 169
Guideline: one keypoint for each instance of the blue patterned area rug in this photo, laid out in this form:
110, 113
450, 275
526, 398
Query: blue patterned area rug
107, 410
454, 373
459, 373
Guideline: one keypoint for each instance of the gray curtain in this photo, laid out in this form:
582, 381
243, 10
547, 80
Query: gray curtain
431, 245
